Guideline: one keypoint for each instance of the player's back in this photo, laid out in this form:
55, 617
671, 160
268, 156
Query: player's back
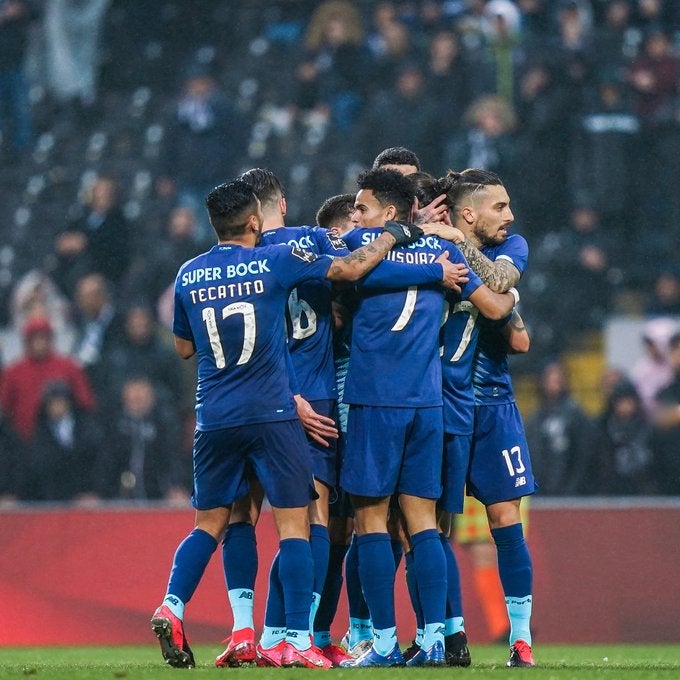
394, 356
309, 313
228, 302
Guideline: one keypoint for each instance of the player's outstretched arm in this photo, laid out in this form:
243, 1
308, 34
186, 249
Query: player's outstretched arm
185, 348
516, 335
492, 305
360, 261
499, 275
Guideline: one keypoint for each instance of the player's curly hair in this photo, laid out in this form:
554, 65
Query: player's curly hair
460, 185
390, 188
396, 155
229, 205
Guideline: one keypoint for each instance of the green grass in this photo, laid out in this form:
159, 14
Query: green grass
558, 662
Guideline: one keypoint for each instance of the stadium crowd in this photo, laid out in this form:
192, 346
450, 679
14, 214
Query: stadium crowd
102, 178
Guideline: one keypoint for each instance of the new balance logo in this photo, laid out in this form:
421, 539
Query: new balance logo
246, 594
440, 631
172, 600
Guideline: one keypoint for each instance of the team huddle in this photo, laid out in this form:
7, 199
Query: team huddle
355, 374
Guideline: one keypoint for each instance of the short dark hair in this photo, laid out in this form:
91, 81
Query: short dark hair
229, 205
264, 184
390, 188
335, 209
396, 155
462, 184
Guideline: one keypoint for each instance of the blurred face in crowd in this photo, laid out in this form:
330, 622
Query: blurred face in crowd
490, 208
368, 211
139, 325
554, 382
58, 407
103, 195
182, 224
91, 295
39, 344
138, 397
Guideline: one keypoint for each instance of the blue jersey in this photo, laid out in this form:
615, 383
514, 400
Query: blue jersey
491, 375
228, 302
394, 355
459, 336
309, 318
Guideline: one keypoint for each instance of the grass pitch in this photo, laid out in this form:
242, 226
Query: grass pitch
555, 662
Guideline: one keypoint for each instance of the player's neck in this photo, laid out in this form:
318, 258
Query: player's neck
248, 241
273, 221
470, 236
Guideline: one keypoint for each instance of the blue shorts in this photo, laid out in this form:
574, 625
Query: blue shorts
393, 450
277, 454
454, 471
500, 465
325, 458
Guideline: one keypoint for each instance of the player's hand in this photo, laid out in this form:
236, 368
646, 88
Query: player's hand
320, 429
403, 232
455, 273
435, 211
443, 230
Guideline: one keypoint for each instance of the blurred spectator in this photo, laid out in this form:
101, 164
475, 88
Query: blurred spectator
487, 140
667, 427
142, 351
204, 120
142, 460
63, 449
664, 298
653, 371
561, 436
603, 156
583, 259
622, 461
22, 382
335, 55
35, 294
72, 45
176, 245
391, 46
617, 40
416, 127
12, 463
99, 241
16, 17
447, 77
543, 105
99, 328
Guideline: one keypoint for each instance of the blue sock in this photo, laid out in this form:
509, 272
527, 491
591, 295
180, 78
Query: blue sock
397, 552
296, 571
376, 571
412, 586
358, 609
274, 614
191, 559
430, 570
239, 559
328, 605
384, 640
516, 572
454, 600
320, 544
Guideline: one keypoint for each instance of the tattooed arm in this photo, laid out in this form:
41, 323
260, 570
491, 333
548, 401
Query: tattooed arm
360, 261
499, 275
516, 334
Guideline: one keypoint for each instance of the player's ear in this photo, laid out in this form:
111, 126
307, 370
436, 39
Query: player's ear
468, 214
390, 213
283, 205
